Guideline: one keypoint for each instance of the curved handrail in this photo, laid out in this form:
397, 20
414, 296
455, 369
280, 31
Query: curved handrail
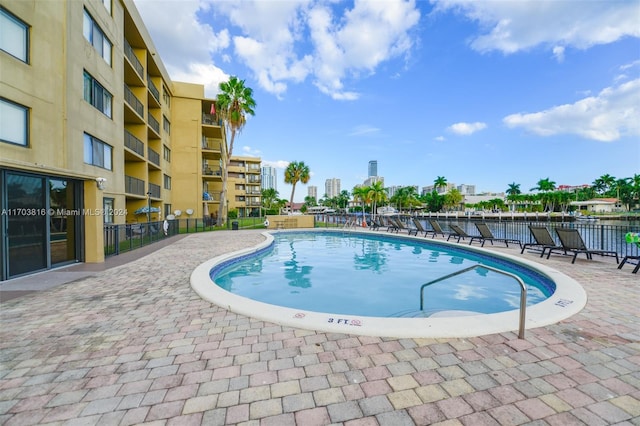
523, 290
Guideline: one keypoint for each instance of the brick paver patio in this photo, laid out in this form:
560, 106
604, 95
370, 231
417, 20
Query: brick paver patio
135, 345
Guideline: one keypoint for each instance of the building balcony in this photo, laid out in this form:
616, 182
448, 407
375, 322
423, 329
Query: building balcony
134, 144
134, 186
133, 102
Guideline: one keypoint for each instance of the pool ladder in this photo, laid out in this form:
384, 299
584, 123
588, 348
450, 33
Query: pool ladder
523, 290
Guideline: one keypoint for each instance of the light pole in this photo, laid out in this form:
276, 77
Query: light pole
149, 206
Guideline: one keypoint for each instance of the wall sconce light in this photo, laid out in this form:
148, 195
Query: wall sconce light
101, 182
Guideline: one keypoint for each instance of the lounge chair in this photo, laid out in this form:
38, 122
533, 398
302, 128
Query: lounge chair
572, 241
542, 238
436, 229
487, 235
461, 234
400, 226
635, 270
392, 225
418, 227
632, 238
375, 224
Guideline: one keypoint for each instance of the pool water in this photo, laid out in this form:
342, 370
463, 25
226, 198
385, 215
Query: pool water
376, 275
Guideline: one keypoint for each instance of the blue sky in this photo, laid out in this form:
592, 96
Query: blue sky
484, 93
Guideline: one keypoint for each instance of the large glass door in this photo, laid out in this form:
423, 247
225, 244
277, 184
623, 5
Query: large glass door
64, 214
43, 222
26, 224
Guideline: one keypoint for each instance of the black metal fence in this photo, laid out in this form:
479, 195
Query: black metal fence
126, 237
600, 235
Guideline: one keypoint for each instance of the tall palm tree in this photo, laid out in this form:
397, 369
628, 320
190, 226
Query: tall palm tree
361, 193
233, 104
296, 172
377, 194
440, 182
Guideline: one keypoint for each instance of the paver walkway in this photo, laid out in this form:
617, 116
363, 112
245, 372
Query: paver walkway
135, 345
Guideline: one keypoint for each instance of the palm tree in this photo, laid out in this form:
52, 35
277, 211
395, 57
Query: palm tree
377, 194
310, 201
544, 185
360, 193
440, 182
604, 183
343, 199
269, 198
513, 191
296, 172
233, 103
453, 198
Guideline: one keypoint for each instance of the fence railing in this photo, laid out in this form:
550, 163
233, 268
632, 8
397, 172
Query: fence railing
596, 235
123, 238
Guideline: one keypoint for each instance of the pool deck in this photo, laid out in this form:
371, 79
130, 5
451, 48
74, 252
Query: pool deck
130, 342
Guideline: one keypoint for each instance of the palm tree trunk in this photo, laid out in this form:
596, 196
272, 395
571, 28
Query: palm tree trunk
225, 176
293, 191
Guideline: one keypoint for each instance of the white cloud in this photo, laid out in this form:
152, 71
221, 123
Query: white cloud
286, 42
512, 26
440, 138
611, 114
466, 128
187, 48
247, 150
363, 130
278, 164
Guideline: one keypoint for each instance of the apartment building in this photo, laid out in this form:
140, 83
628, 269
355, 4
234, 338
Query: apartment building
244, 186
94, 131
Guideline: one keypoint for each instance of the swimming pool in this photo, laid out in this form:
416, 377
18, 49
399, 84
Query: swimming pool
331, 280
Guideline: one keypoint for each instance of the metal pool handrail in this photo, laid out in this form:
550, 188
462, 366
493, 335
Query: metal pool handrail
523, 290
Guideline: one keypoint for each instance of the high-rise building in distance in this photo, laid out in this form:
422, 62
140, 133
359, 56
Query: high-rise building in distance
332, 187
312, 191
269, 178
373, 168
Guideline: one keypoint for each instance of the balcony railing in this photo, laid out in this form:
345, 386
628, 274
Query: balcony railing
154, 190
211, 196
134, 185
133, 143
211, 143
210, 119
208, 171
254, 179
154, 157
128, 52
154, 123
134, 102
153, 89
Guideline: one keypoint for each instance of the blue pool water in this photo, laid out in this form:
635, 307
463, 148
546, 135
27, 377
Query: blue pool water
375, 275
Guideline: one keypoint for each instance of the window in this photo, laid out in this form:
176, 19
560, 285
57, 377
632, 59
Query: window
14, 123
167, 182
14, 36
97, 152
96, 37
165, 97
166, 125
107, 204
167, 210
97, 95
166, 153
